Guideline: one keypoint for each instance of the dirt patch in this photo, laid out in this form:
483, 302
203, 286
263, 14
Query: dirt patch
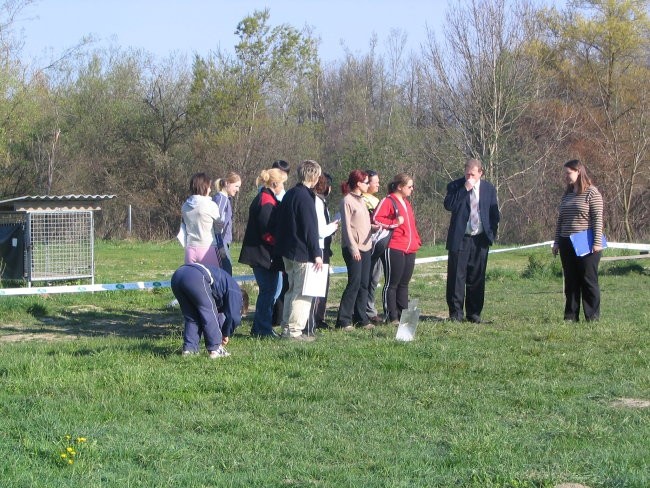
631, 403
34, 337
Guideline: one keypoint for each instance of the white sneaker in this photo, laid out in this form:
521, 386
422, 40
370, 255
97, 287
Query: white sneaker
219, 353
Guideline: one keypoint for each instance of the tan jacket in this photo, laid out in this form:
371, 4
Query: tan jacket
355, 224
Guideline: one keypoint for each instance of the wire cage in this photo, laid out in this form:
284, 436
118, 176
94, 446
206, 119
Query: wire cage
59, 246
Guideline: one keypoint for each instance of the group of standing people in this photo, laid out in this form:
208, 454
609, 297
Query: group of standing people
378, 236
297, 234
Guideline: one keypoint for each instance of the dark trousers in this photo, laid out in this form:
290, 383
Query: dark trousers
466, 277
376, 271
317, 311
192, 290
355, 296
580, 282
398, 270
226, 260
267, 281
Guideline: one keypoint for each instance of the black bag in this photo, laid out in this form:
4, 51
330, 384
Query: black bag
382, 237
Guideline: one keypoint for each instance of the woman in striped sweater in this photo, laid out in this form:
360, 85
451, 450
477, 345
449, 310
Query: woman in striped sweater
581, 208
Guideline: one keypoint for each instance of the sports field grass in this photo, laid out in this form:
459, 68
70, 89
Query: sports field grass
526, 400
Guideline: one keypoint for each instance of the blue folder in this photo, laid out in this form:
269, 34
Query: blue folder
583, 242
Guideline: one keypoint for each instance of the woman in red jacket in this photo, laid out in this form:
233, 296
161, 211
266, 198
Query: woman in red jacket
395, 213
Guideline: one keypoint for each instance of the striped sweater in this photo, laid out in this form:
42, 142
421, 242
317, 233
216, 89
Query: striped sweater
580, 212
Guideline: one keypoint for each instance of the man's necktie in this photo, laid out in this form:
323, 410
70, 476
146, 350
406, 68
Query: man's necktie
473, 212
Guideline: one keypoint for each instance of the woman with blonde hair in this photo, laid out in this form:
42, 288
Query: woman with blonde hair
226, 189
257, 249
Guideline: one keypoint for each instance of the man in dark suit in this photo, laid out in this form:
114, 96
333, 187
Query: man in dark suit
472, 229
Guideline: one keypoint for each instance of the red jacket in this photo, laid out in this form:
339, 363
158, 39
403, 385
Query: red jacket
405, 236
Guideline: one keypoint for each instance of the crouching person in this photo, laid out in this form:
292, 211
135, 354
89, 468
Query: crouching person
212, 304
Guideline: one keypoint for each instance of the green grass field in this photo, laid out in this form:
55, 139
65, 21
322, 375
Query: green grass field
526, 400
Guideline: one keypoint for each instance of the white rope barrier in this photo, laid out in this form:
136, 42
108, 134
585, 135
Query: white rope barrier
149, 285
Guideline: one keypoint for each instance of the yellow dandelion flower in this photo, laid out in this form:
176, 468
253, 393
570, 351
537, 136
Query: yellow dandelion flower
81, 439
69, 449
70, 461
68, 437
63, 455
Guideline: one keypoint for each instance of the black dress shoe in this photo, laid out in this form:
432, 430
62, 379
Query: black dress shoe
375, 320
475, 319
322, 325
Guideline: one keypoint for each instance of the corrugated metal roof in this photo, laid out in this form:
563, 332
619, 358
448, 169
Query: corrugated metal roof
58, 198
52, 202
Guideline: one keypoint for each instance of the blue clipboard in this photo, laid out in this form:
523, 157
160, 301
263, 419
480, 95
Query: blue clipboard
583, 242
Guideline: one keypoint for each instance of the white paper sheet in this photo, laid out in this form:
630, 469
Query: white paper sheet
182, 236
315, 284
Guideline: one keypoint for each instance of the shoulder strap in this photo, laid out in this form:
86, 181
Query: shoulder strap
394, 205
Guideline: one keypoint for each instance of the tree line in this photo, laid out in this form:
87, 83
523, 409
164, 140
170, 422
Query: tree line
521, 88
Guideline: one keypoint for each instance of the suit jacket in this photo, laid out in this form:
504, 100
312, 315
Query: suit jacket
457, 202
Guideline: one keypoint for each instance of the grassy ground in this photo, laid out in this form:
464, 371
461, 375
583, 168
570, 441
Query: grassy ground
524, 401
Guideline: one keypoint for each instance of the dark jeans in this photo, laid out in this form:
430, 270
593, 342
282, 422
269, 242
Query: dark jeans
580, 282
466, 277
398, 270
355, 296
267, 281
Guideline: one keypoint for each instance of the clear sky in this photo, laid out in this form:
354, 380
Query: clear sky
161, 27
200, 26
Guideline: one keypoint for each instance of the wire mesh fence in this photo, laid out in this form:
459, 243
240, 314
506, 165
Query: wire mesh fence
60, 245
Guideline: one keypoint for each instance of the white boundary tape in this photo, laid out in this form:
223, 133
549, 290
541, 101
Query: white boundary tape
149, 285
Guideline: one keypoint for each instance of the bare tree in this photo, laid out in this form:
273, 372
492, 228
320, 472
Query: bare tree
606, 45
485, 85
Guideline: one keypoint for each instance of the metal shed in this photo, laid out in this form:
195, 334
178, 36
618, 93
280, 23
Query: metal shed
48, 238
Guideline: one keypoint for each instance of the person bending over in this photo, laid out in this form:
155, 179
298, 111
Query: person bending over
204, 292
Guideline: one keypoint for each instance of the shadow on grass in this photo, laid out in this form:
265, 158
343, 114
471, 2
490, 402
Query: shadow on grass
136, 324
623, 269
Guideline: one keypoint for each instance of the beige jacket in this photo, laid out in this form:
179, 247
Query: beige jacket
355, 224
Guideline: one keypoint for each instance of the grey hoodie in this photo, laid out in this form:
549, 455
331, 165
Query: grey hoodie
201, 218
